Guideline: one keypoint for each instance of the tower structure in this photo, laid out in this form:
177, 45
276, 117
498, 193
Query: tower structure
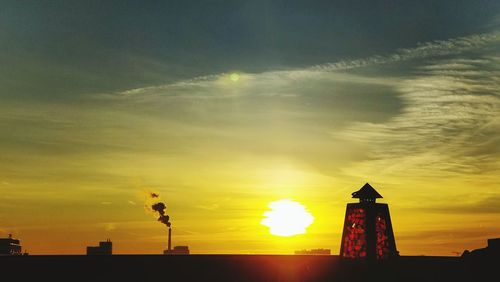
367, 233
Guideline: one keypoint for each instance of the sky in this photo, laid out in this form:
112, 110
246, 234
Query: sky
102, 102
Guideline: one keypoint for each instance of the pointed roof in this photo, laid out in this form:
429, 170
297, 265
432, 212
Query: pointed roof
366, 192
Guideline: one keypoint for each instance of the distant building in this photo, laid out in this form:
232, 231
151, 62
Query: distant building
177, 250
104, 248
314, 252
10, 246
491, 251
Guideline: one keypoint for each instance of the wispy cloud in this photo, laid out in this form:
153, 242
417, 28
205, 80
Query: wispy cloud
425, 50
448, 123
487, 204
205, 86
447, 120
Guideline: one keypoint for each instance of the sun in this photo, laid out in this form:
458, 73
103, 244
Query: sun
287, 218
234, 77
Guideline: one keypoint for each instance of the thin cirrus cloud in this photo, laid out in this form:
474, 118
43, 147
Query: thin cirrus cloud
280, 78
489, 204
443, 120
449, 119
320, 97
444, 117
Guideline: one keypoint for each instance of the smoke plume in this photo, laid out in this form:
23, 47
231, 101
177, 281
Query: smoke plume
160, 207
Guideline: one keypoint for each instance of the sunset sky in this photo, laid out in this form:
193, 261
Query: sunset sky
223, 107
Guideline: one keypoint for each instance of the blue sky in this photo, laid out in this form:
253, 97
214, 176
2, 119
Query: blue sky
69, 46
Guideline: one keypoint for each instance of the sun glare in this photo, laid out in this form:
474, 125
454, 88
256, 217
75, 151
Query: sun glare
287, 218
234, 77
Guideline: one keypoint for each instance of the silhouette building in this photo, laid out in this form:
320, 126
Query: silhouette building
492, 251
10, 246
104, 248
367, 233
177, 250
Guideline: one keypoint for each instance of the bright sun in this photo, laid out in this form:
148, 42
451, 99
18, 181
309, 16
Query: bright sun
287, 218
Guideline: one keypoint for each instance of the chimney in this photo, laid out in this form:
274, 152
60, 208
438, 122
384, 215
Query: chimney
169, 238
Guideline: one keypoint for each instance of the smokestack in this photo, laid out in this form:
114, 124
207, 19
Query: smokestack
170, 238
160, 207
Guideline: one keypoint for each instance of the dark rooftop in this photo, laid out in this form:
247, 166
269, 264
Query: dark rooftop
366, 192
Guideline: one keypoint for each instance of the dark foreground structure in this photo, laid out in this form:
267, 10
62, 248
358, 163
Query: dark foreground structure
105, 248
367, 233
10, 246
241, 268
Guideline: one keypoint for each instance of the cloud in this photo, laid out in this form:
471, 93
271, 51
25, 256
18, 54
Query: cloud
436, 116
448, 125
488, 204
284, 84
370, 121
221, 83
435, 48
